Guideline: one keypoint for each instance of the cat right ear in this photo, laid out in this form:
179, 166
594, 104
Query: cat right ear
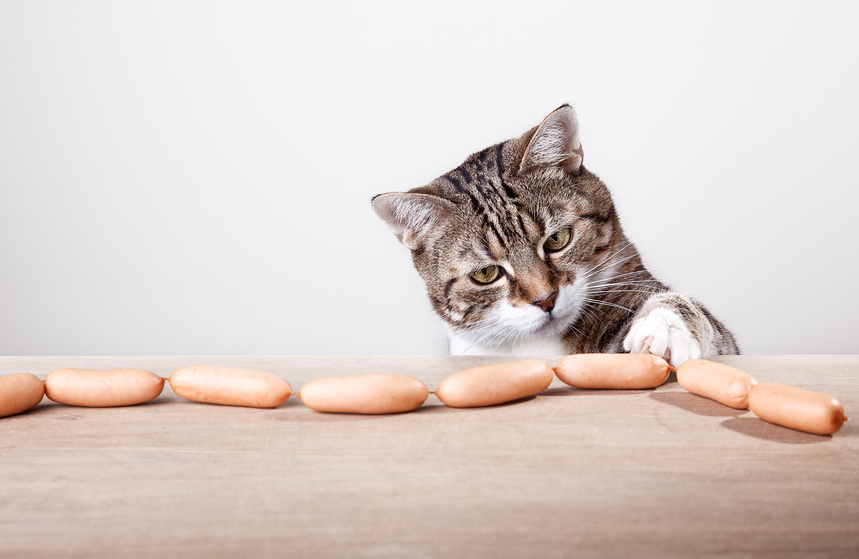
411, 216
555, 143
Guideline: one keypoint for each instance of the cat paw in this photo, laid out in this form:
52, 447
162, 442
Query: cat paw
664, 333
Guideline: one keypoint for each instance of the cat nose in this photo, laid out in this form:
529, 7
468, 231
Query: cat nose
547, 303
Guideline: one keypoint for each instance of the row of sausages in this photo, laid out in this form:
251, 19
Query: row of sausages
487, 385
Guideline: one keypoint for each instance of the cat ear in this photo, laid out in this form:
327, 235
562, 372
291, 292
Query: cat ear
411, 216
556, 142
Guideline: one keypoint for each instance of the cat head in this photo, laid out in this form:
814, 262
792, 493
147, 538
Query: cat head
512, 243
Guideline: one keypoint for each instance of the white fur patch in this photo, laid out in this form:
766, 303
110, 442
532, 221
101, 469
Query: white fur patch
527, 345
664, 333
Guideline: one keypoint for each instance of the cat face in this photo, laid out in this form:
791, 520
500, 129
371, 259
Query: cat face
514, 242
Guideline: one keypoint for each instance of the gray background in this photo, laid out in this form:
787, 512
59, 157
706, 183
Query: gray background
195, 177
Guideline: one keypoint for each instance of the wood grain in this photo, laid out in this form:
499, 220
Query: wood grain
568, 473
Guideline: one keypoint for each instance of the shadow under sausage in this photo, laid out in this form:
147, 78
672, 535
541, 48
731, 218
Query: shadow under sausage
43, 407
760, 429
568, 391
49, 406
696, 404
429, 407
335, 417
440, 407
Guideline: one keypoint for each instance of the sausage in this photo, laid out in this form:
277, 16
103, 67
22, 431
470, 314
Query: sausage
19, 393
803, 410
724, 384
230, 386
368, 394
613, 370
489, 385
98, 389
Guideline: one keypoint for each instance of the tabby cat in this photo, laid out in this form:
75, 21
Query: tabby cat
522, 253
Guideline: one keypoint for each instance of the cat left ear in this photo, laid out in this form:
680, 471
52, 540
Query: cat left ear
556, 142
413, 217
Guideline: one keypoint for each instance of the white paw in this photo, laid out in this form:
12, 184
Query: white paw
663, 333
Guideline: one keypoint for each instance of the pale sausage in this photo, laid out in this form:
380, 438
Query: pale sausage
97, 389
613, 370
804, 410
724, 384
368, 394
495, 384
230, 386
19, 393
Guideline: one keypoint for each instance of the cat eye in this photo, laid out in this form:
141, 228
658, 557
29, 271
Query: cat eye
487, 274
558, 240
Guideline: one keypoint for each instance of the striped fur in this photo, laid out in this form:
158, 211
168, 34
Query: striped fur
498, 209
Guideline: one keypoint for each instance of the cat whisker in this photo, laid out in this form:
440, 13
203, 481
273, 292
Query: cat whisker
601, 302
487, 331
430, 340
645, 291
607, 266
622, 283
612, 281
608, 260
629, 243
629, 287
608, 288
591, 313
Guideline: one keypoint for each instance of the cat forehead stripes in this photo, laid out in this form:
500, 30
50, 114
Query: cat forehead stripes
480, 183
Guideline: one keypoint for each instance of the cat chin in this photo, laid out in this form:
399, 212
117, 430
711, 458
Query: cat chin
531, 345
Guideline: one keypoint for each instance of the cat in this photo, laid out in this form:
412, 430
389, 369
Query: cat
522, 253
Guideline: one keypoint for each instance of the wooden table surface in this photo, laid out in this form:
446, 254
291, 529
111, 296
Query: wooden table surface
568, 473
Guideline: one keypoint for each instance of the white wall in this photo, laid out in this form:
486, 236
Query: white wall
195, 177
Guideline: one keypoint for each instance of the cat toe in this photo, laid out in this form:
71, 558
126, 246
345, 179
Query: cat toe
660, 345
639, 339
663, 333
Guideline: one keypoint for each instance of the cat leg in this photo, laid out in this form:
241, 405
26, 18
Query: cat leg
677, 328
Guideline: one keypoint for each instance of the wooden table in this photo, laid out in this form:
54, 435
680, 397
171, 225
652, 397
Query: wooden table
569, 473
